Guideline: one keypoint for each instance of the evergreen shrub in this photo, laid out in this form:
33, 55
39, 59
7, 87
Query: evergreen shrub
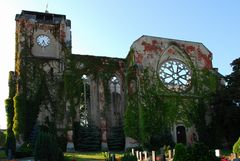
46, 148
201, 152
181, 153
198, 152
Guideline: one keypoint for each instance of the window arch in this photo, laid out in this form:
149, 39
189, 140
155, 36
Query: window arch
115, 85
85, 101
115, 90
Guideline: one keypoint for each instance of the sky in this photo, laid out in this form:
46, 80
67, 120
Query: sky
109, 27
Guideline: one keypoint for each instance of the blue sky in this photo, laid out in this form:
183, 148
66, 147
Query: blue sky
109, 27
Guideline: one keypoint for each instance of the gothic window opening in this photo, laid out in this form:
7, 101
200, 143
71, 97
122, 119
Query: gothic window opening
115, 89
85, 101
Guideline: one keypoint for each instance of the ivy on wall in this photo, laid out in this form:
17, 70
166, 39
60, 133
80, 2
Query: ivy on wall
152, 109
35, 87
31, 86
96, 68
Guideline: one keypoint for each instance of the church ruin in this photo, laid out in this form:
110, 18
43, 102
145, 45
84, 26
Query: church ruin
50, 84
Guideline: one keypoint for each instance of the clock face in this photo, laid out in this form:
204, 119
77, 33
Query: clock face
43, 40
175, 75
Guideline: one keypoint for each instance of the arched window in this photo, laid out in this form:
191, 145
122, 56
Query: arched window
85, 101
115, 89
115, 85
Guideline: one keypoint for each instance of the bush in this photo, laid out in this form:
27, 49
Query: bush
236, 147
46, 148
128, 157
158, 141
181, 153
198, 152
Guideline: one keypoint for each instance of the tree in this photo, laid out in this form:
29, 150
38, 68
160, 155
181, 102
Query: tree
233, 83
226, 118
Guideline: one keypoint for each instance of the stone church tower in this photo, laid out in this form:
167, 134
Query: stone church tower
53, 86
97, 97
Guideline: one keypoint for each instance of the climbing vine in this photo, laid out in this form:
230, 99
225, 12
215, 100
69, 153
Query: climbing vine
96, 68
152, 109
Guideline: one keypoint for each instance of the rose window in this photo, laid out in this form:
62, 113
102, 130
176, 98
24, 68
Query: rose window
175, 75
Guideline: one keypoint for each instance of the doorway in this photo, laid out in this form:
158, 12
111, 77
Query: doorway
181, 134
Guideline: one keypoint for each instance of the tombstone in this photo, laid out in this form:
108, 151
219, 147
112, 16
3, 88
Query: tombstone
153, 156
140, 155
132, 151
217, 153
170, 154
145, 155
70, 145
137, 154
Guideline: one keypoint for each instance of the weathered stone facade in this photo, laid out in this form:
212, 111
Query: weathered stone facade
64, 88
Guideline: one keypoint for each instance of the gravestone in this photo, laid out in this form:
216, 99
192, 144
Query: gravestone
145, 155
153, 156
140, 155
133, 152
170, 155
217, 153
70, 145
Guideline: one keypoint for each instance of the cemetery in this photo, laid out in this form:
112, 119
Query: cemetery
165, 101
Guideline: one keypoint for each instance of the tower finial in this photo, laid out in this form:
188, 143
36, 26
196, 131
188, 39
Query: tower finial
46, 11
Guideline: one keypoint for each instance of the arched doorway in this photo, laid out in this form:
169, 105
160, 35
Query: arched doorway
181, 134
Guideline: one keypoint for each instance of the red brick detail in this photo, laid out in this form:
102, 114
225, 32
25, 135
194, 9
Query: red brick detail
190, 49
206, 58
138, 57
171, 51
153, 47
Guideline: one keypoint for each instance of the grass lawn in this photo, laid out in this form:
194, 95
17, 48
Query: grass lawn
87, 156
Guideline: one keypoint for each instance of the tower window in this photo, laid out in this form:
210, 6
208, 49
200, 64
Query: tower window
48, 17
40, 17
